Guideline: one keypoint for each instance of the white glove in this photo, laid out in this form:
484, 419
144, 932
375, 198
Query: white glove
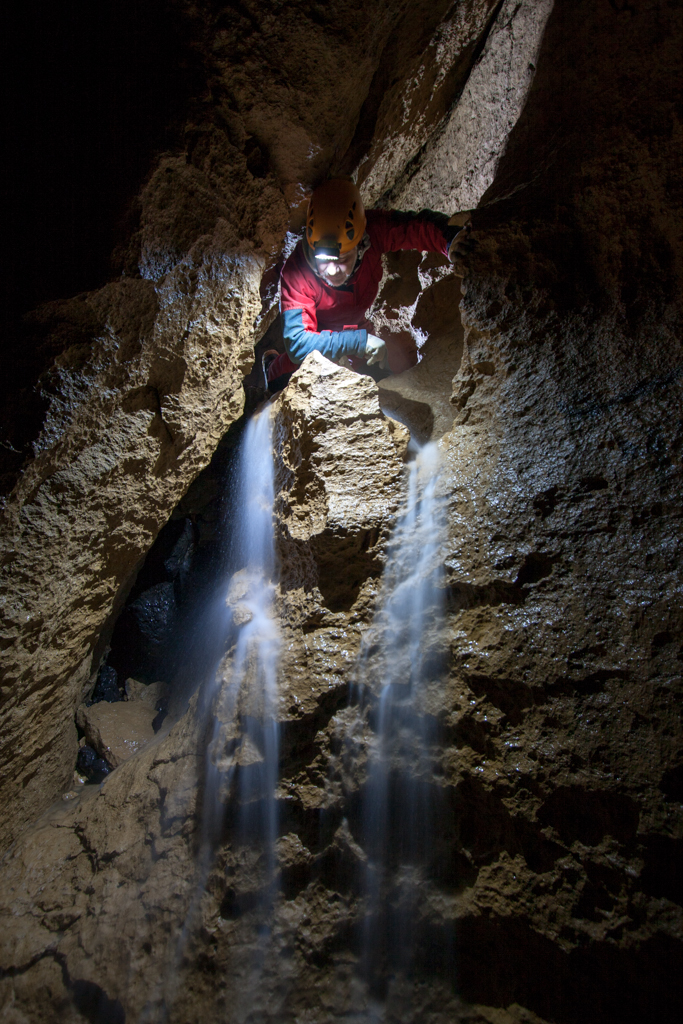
375, 350
461, 246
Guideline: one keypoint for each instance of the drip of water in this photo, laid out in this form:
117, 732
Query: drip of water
400, 661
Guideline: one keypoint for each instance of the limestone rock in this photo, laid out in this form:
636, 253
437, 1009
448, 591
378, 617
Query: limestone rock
418, 298
340, 478
117, 731
148, 693
339, 464
424, 69
122, 441
139, 379
459, 162
556, 713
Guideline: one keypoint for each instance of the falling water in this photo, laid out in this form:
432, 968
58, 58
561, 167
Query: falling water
241, 771
243, 752
398, 668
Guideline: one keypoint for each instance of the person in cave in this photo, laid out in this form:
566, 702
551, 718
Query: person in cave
333, 276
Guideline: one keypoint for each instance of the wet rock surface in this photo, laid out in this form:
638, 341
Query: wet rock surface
117, 731
107, 686
555, 884
90, 766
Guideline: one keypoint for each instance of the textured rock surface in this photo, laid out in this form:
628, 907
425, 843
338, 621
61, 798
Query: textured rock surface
418, 300
117, 731
103, 906
126, 432
334, 503
459, 161
557, 875
421, 75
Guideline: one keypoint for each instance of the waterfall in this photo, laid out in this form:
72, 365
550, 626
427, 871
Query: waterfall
399, 665
241, 769
243, 752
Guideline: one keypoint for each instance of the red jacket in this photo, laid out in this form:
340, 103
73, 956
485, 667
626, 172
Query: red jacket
316, 316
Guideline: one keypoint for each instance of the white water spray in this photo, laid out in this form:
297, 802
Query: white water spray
243, 753
400, 661
241, 770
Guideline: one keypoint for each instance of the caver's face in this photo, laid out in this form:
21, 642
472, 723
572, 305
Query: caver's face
336, 272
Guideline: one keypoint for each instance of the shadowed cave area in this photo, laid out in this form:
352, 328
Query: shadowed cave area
359, 701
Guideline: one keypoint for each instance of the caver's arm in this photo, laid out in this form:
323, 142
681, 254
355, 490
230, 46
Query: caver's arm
426, 231
300, 323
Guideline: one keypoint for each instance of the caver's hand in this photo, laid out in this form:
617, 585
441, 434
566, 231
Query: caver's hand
460, 248
375, 350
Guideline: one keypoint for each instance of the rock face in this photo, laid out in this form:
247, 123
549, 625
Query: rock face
555, 886
125, 435
140, 823
334, 504
459, 161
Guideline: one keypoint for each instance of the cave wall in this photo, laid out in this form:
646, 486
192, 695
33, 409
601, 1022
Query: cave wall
562, 817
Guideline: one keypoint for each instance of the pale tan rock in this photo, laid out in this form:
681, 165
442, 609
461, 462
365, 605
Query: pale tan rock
340, 474
119, 730
426, 81
418, 299
148, 693
341, 478
459, 163
120, 444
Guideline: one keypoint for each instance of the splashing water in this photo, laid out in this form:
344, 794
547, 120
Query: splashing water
398, 667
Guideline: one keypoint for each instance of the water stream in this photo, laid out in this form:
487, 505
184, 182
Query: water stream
242, 756
240, 702
398, 669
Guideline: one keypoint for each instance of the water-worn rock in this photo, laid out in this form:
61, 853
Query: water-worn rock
125, 434
459, 161
139, 379
418, 297
339, 468
334, 499
117, 731
89, 765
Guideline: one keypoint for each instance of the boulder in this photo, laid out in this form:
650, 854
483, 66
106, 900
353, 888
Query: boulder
152, 694
117, 731
107, 686
340, 477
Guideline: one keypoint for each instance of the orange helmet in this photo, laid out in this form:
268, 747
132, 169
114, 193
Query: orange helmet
335, 222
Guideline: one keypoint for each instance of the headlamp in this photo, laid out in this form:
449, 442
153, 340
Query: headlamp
327, 251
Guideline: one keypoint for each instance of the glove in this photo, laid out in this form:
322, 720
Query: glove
375, 350
462, 244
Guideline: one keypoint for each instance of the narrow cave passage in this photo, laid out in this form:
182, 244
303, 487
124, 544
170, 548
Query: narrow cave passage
443, 782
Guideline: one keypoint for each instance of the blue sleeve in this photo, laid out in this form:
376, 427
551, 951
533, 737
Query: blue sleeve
299, 341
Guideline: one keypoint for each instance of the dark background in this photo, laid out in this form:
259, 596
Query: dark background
91, 89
